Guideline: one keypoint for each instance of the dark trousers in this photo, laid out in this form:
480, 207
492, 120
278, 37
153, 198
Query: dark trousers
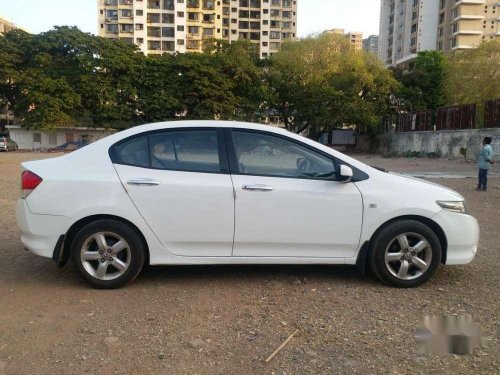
483, 179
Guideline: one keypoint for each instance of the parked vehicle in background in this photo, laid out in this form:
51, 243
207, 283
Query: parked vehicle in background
7, 144
68, 147
209, 192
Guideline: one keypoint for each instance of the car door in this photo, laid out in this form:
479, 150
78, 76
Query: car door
288, 202
178, 179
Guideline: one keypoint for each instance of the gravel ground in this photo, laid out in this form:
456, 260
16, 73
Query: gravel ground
227, 320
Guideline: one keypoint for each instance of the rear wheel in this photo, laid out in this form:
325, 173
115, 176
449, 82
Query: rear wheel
405, 254
108, 254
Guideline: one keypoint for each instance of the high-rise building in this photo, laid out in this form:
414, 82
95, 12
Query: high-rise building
160, 26
370, 44
355, 38
465, 24
410, 26
6, 26
406, 28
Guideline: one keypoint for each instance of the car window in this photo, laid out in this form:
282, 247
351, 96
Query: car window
132, 152
267, 155
192, 151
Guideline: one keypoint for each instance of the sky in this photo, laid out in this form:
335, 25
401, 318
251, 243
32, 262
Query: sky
313, 15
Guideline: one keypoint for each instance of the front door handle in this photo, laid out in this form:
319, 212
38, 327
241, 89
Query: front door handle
264, 188
143, 182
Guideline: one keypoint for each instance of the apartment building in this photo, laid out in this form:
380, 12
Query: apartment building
355, 38
465, 24
410, 26
168, 26
6, 26
406, 28
370, 44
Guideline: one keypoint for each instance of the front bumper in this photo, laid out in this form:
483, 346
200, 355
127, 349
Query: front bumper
462, 235
40, 233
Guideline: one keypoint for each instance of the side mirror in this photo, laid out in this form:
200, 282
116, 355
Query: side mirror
345, 174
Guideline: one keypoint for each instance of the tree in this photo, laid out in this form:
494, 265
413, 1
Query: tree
67, 77
423, 88
322, 83
474, 76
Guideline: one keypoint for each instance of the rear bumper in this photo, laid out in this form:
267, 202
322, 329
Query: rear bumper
462, 234
40, 233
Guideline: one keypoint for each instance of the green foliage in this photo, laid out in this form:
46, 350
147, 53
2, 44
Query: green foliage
474, 76
320, 82
67, 77
423, 88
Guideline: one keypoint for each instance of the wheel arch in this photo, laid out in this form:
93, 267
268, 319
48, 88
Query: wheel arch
78, 225
435, 227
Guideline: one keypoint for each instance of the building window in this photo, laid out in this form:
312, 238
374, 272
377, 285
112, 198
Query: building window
53, 139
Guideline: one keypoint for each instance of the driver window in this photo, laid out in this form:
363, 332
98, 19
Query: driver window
267, 155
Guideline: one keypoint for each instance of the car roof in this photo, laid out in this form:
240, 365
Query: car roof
201, 124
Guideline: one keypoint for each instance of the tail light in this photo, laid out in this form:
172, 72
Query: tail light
29, 182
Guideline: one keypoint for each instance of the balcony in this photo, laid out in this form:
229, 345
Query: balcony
154, 32
154, 5
154, 45
126, 3
193, 4
168, 5
153, 18
209, 18
209, 5
128, 28
193, 44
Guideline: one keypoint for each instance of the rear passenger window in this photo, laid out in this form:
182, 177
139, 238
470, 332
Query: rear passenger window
132, 152
191, 151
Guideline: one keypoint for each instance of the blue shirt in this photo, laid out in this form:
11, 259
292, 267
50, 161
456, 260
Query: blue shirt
484, 157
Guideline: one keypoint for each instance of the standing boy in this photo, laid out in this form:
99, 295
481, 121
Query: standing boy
484, 161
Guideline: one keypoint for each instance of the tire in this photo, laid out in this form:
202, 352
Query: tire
405, 263
108, 254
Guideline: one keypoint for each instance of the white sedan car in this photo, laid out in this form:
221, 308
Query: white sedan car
209, 192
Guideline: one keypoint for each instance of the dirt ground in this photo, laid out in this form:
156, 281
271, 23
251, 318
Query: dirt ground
227, 320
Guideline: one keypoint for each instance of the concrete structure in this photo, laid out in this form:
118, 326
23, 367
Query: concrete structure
169, 26
32, 139
446, 142
370, 44
465, 24
355, 38
407, 27
410, 26
7, 117
6, 26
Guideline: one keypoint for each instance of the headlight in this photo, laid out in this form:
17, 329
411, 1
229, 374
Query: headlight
458, 206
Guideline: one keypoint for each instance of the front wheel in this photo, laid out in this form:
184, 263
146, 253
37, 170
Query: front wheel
108, 254
405, 254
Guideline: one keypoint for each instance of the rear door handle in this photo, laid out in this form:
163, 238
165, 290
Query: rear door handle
143, 182
264, 188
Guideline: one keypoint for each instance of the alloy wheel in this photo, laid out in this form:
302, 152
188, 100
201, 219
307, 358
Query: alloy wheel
105, 255
408, 256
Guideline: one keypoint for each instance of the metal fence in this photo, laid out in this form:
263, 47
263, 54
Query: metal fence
456, 117
445, 118
492, 114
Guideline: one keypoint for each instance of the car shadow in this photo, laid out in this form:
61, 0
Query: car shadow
297, 274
